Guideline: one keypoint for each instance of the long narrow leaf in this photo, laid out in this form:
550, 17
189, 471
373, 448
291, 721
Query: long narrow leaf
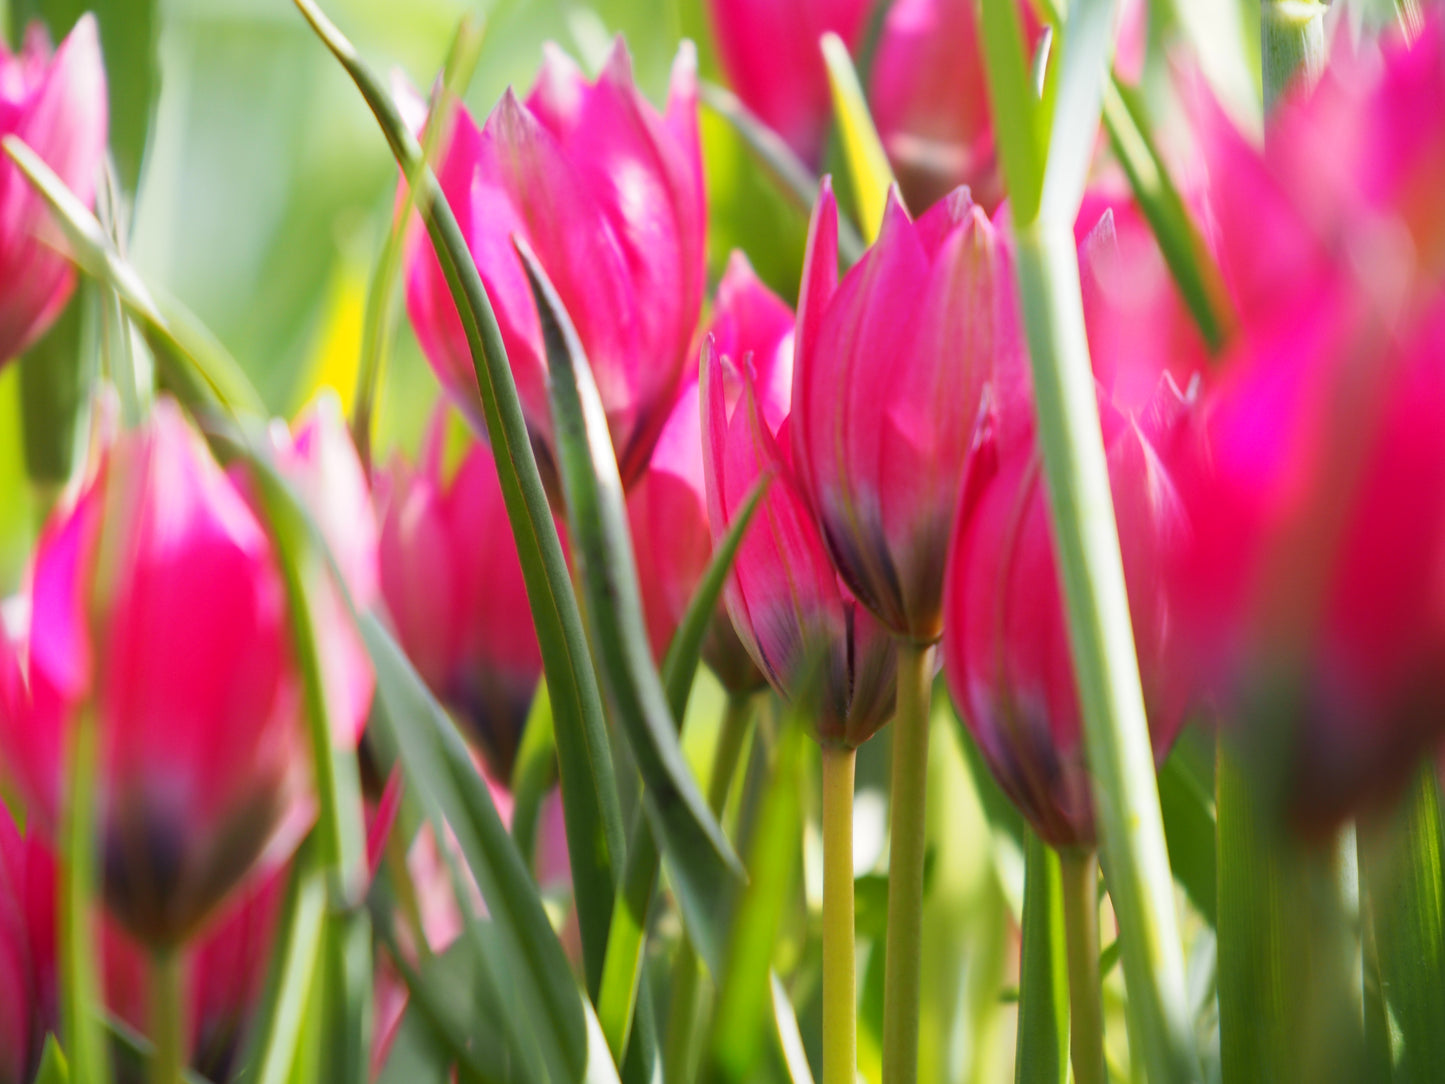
867, 162
706, 873
1014, 109
549, 1018
80, 992
622, 973
297, 953
593, 815
1084, 58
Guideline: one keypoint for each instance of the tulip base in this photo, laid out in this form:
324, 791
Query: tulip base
840, 980
167, 1017
1079, 871
906, 842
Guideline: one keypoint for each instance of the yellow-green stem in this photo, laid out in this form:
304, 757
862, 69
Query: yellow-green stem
167, 1016
840, 996
909, 806
1080, 879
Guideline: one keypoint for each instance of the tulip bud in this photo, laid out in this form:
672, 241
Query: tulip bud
453, 586
157, 613
57, 105
891, 367
668, 506
770, 53
609, 195
1005, 644
797, 621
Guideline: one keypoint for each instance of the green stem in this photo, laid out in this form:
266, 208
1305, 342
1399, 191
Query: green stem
1292, 45
679, 1056
1116, 733
1080, 879
1043, 1023
840, 984
167, 1016
80, 995
908, 796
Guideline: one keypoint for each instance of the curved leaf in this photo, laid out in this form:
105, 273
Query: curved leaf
593, 815
706, 873
863, 150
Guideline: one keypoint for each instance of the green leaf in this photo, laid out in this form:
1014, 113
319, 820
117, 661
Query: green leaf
742, 1023
129, 36
1014, 108
1084, 57
705, 872
533, 772
862, 149
1005, 822
790, 1037
1043, 1029
53, 1067
1404, 864
547, 1023
278, 1038
794, 179
55, 379
350, 998
417, 1055
593, 816
1189, 828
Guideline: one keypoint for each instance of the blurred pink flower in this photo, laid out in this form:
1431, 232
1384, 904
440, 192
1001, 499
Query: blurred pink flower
57, 105
769, 51
1005, 644
891, 369
1313, 595
668, 506
788, 606
453, 586
156, 610
609, 194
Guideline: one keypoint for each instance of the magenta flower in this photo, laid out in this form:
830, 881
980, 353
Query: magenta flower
797, 621
609, 195
668, 506
1005, 644
891, 368
28, 1006
769, 51
57, 105
453, 586
156, 609
1311, 596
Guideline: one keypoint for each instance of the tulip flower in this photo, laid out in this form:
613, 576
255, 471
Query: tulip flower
453, 587
668, 506
1005, 644
27, 982
891, 367
1310, 596
158, 615
609, 195
56, 103
787, 604
770, 53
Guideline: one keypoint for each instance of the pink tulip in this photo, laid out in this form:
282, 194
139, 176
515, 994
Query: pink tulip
56, 104
28, 1006
891, 368
668, 506
769, 50
1313, 596
609, 195
454, 589
794, 616
158, 612
1005, 644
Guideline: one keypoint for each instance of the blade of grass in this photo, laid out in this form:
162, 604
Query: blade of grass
593, 816
862, 149
622, 974
533, 773
793, 178
1014, 107
706, 874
